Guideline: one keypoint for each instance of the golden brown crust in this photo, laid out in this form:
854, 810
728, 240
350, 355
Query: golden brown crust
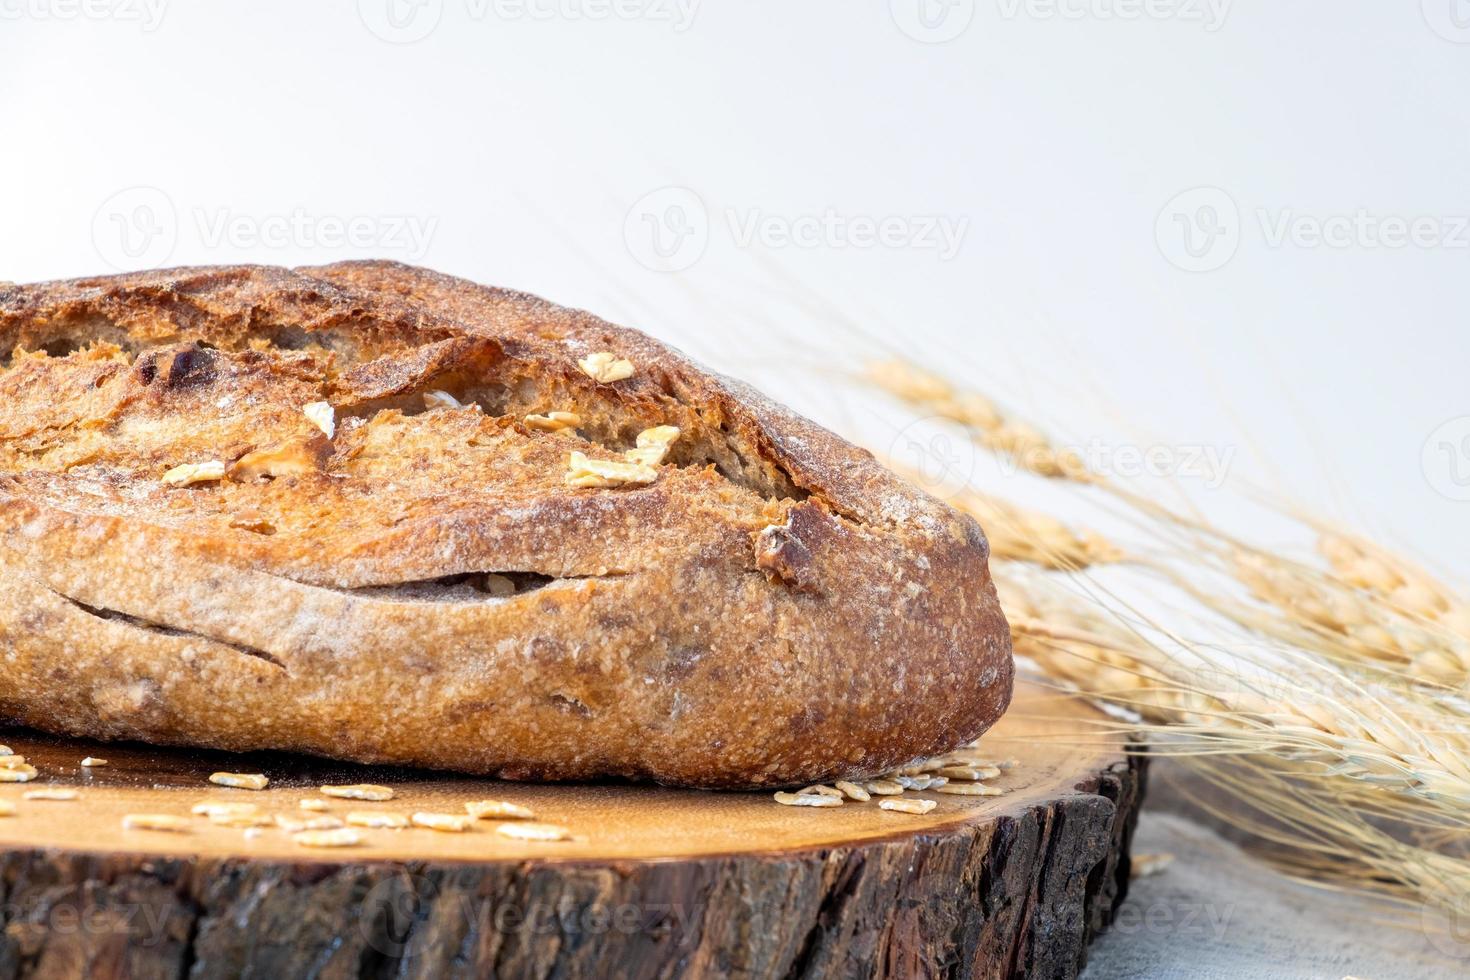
775, 608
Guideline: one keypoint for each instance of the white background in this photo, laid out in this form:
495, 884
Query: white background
525, 137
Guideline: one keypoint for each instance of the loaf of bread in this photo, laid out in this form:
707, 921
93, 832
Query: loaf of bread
380, 514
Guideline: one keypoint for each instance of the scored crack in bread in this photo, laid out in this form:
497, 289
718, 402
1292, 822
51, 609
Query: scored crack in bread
417, 575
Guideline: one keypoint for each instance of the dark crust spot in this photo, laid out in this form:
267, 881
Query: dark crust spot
784, 551
176, 368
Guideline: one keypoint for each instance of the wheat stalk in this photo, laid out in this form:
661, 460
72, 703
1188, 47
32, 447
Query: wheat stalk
1329, 711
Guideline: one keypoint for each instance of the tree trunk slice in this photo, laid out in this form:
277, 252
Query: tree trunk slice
657, 883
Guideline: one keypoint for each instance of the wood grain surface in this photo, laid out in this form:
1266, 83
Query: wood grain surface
655, 882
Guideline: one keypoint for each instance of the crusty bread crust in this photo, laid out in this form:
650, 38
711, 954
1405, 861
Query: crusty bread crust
777, 608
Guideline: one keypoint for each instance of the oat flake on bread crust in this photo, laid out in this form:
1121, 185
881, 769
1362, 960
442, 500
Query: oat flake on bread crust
775, 609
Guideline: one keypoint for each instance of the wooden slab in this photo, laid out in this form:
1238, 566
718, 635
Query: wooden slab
656, 882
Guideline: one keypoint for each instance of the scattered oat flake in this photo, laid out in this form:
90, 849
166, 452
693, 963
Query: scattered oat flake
853, 791
252, 832
807, 799
6, 750
49, 794
296, 825
212, 808
498, 810
323, 416
907, 805
291, 458
553, 421
156, 821
653, 445
606, 367
241, 819
534, 831
449, 823
969, 789
440, 399
91, 762
883, 787
359, 791
583, 471
1147, 865
820, 790
340, 837
376, 818
12, 761
312, 803
17, 774
921, 783
969, 772
240, 780
191, 473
